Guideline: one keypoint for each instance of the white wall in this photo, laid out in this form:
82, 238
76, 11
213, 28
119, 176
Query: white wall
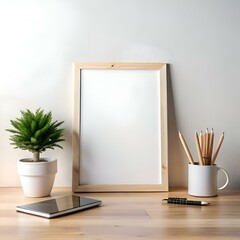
199, 39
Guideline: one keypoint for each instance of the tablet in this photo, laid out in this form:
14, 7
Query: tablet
58, 206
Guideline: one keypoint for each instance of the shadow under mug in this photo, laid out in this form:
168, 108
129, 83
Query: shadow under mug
202, 180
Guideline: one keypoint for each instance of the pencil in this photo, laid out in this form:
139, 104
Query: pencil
201, 142
211, 145
206, 144
189, 155
204, 148
198, 148
217, 148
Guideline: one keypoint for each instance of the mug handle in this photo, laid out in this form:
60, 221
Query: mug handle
227, 178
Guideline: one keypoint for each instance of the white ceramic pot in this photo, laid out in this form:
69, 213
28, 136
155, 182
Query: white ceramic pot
37, 178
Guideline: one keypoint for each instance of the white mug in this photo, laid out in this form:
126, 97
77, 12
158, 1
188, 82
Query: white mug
202, 180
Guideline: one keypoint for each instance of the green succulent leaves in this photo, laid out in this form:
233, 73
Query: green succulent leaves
36, 132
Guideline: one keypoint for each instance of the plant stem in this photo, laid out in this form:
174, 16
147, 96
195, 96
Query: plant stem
36, 156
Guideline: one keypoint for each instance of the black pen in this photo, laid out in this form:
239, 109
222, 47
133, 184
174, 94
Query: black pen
185, 201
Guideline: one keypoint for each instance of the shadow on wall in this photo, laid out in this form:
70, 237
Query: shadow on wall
176, 163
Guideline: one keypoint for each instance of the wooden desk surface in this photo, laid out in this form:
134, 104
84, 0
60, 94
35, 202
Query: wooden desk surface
125, 216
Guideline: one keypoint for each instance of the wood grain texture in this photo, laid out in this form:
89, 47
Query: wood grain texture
125, 216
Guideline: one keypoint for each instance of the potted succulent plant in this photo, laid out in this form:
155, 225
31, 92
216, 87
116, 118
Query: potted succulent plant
36, 132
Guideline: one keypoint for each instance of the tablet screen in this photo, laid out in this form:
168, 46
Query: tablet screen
59, 206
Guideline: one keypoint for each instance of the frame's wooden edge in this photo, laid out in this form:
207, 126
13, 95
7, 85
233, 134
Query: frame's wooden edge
164, 125
118, 65
122, 188
164, 186
76, 130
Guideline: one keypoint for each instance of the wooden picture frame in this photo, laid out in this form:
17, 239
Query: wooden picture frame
120, 139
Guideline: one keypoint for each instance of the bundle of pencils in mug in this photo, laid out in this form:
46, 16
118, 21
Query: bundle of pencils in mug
204, 144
